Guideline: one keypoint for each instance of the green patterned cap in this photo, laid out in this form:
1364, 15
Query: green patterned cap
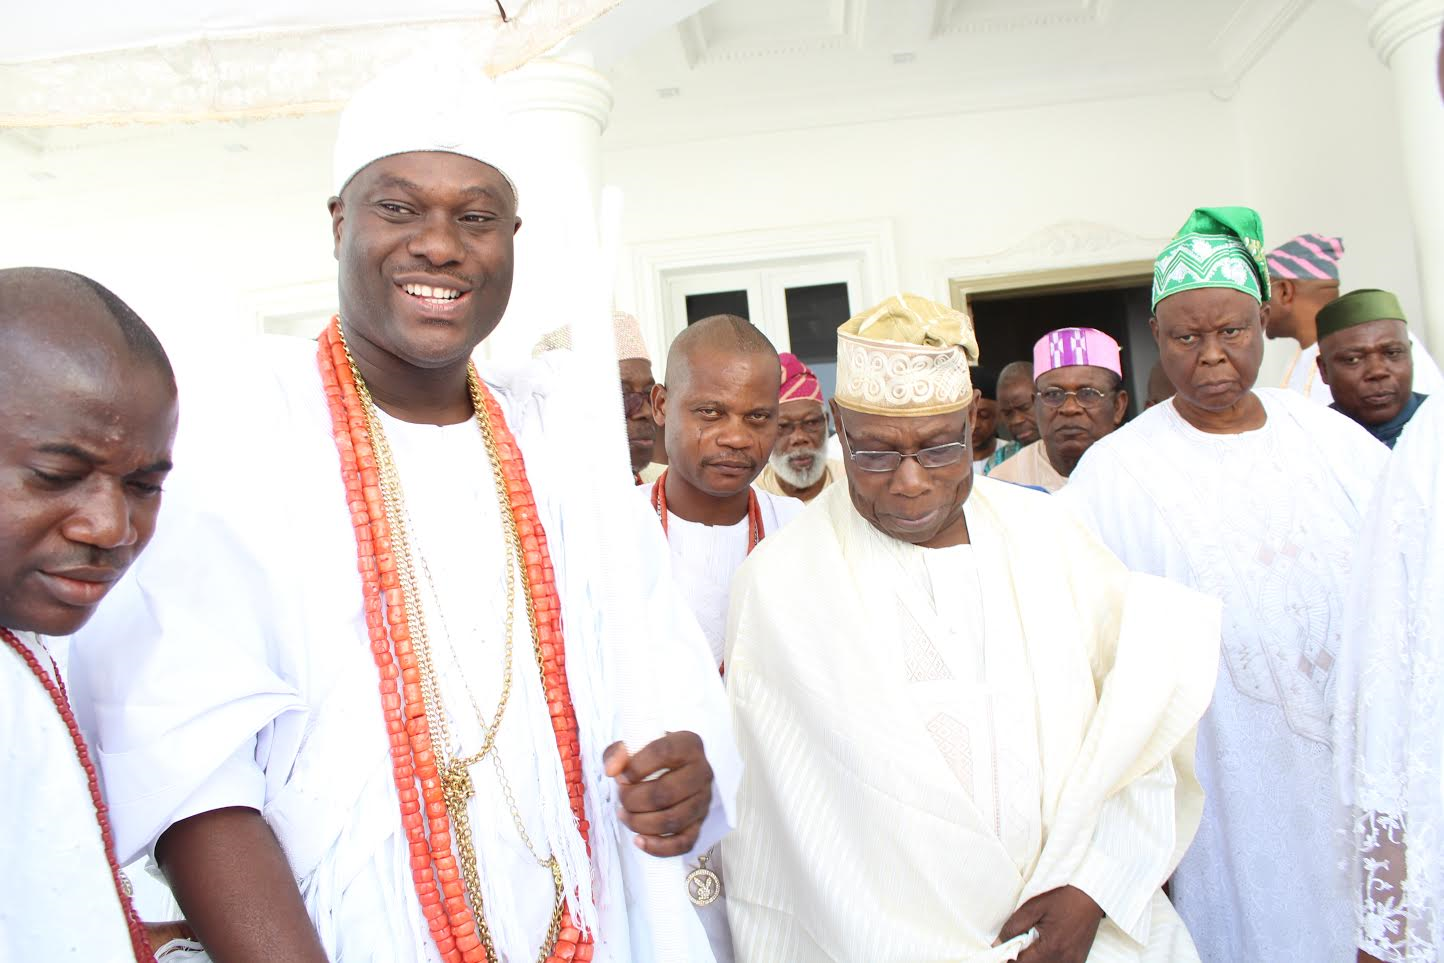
1358, 307
1218, 247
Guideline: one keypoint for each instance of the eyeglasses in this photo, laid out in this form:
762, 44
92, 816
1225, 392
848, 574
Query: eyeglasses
1087, 397
634, 401
938, 456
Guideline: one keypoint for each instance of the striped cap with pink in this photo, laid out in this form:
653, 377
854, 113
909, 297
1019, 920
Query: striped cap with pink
798, 381
1070, 346
1308, 257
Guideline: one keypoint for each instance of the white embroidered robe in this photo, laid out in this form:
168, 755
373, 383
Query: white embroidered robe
1390, 694
247, 678
933, 737
1265, 521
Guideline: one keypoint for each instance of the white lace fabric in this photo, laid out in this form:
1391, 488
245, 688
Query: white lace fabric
1390, 702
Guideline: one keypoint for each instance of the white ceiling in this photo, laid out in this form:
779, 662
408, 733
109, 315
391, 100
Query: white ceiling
777, 64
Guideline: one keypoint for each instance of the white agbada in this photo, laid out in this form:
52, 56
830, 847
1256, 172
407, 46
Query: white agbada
247, 679
1389, 743
1303, 375
704, 559
1266, 522
932, 737
57, 894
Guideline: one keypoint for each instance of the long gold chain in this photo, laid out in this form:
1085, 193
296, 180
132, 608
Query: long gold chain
457, 784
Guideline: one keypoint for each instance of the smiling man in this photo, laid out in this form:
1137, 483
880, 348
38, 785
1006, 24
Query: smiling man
798, 466
966, 727
1079, 399
1366, 359
370, 713
87, 416
1254, 497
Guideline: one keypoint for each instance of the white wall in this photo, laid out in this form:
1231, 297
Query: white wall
198, 237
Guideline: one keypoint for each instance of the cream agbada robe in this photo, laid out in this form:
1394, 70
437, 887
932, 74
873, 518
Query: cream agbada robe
856, 838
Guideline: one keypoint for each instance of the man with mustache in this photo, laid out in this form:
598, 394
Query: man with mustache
718, 411
634, 365
798, 466
378, 680
1080, 398
87, 416
1366, 359
1253, 496
1304, 275
966, 727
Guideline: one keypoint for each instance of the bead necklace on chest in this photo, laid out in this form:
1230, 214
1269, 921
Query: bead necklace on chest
433, 786
55, 688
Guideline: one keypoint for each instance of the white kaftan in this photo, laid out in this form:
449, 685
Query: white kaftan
704, 559
1303, 374
932, 737
57, 894
248, 680
1266, 522
1389, 740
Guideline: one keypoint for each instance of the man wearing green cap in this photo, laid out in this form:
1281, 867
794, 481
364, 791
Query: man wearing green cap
1254, 497
1365, 358
967, 727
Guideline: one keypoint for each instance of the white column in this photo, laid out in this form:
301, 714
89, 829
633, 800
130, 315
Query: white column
1405, 34
559, 107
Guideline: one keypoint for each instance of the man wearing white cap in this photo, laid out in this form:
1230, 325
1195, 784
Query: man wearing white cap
634, 365
967, 728
365, 712
1078, 374
1253, 496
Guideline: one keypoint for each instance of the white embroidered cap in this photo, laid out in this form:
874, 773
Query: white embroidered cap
625, 328
907, 356
424, 105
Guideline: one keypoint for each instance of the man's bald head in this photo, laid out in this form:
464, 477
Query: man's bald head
87, 418
34, 295
1015, 401
721, 334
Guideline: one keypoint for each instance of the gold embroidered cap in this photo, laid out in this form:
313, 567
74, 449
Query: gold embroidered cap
907, 356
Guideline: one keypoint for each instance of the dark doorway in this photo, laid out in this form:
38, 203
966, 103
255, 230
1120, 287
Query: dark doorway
1009, 322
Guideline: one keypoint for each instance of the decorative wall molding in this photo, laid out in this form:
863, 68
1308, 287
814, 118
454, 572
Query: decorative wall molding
1258, 24
1056, 248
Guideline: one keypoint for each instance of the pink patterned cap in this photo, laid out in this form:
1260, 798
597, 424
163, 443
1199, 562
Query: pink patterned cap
1070, 346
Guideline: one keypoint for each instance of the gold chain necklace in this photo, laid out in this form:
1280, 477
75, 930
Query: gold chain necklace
457, 784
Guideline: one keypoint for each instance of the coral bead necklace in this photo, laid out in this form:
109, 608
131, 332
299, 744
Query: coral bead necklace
755, 532
432, 788
55, 688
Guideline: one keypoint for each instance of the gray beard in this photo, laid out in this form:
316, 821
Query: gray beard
795, 478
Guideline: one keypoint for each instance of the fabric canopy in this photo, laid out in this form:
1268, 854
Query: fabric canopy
72, 62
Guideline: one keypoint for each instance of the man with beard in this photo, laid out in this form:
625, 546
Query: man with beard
635, 366
1255, 498
87, 417
967, 727
1079, 381
798, 466
1366, 360
718, 410
375, 684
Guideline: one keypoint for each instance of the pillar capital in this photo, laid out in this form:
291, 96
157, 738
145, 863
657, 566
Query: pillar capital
559, 84
1395, 22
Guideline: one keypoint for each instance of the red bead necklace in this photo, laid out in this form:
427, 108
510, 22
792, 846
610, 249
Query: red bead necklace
139, 945
755, 532
424, 814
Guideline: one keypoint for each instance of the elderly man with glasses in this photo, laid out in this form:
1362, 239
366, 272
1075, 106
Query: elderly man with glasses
967, 727
1080, 398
